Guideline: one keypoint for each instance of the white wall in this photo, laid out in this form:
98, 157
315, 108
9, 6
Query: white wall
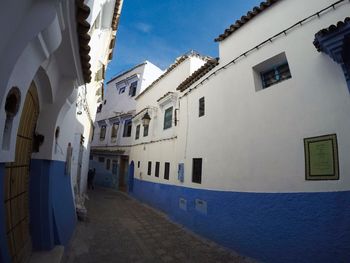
251, 140
121, 105
160, 145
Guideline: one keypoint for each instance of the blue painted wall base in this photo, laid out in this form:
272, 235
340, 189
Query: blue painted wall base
272, 227
52, 210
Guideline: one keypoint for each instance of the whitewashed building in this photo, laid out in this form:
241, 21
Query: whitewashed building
52, 64
252, 149
110, 147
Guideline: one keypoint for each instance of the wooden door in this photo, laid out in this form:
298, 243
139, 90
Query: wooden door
17, 183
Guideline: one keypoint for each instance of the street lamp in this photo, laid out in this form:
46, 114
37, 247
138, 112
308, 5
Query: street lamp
146, 119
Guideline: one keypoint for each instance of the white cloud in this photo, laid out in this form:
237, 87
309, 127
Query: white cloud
143, 27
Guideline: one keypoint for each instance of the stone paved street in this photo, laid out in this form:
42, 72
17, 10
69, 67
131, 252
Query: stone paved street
120, 229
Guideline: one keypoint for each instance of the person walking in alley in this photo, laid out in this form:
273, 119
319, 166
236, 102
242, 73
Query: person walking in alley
91, 176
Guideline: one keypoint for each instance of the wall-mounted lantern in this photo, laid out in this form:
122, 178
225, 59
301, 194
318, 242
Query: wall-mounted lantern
146, 119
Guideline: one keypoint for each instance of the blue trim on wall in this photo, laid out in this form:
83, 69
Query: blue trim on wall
272, 227
4, 255
52, 210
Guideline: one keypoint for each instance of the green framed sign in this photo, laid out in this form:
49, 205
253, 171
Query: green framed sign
321, 158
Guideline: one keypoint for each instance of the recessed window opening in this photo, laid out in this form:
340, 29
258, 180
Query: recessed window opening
145, 131
127, 128
168, 118
13, 101
271, 72
115, 127
166, 170
103, 132
121, 90
275, 75
197, 170
132, 89
137, 135
201, 107
156, 174
149, 168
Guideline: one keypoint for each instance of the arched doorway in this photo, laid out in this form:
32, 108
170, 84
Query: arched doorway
17, 182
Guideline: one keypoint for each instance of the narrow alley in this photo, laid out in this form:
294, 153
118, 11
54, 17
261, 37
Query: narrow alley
120, 229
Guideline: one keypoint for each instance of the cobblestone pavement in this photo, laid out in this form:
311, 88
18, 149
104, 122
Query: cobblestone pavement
121, 229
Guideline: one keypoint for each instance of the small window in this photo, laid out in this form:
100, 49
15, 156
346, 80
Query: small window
108, 164
197, 170
99, 108
114, 133
138, 164
132, 89
275, 75
149, 170
168, 117
156, 174
271, 71
103, 132
127, 128
201, 107
145, 131
166, 170
137, 132
101, 159
121, 90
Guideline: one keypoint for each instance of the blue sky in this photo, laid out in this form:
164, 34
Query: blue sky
161, 30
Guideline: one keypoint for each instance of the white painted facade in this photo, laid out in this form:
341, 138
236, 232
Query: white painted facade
48, 52
43, 47
118, 108
161, 145
251, 139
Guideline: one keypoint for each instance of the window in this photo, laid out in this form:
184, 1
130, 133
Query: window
145, 131
92, 132
197, 170
114, 133
121, 90
156, 174
132, 89
168, 117
99, 108
201, 107
149, 170
271, 71
275, 75
101, 159
108, 164
103, 132
127, 128
166, 170
138, 164
137, 132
